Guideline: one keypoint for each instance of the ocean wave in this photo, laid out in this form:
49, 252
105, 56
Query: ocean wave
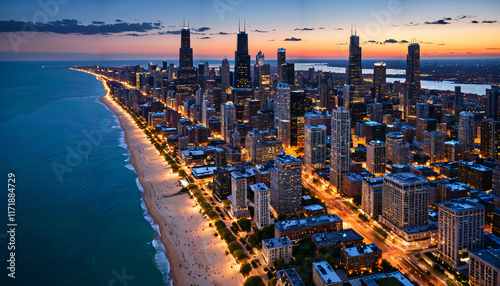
130, 167
159, 259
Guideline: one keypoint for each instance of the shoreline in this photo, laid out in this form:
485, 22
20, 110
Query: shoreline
174, 274
195, 255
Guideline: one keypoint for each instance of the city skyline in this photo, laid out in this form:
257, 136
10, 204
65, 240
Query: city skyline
85, 30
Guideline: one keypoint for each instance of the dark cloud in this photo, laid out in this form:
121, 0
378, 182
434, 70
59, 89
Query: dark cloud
202, 29
304, 29
136, 35
489, 22
403, 42
98, 22
175, 32
342, 44
68, 26
293, 39
338, 29
260, 31
447, 19
461, 17
221, 33
412, 24
158, 24
119, 21
438, 22
441, 44
205, 38
272, 40
372, 41
474, 22
390, 41
321, 28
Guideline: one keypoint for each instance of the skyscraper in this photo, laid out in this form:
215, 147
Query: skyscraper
224, 80
490, 139
405, 201
262, 198
238, 193
375, 157
466, 130
300, 103
412, 88
282, 113
460, 229
396, 148
282, 66
314, 147
286, 185
354, 72
290, 73
186, 80
259, 61
340, 141
458, 100
242, 62
228, 120
379, 79
492, 103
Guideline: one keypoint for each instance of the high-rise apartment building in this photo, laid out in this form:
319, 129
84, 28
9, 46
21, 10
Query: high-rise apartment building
228, 120
262, 201
286, 185
340, 142
466, 130
412, 87
314, 147
375, 157
460, 229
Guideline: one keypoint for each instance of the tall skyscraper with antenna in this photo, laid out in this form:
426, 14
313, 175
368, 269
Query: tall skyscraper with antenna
412, 85
186, 79
354, 73
282, 65
242, 61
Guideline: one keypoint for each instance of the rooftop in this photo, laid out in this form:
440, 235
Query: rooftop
286, 159
314, 208
336, 237
374, 180
276, 242
203, 171
326, 272
361, 250
259, 187
405, 178
455, 143
387, 279
462, 204
291, 276
372, 123
305, 222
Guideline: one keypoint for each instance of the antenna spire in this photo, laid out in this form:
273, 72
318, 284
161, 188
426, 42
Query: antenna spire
244, 25
354, 29
184, 22
239, 25
351, 29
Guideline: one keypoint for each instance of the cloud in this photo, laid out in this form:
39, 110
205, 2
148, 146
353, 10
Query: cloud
304, 29
439, 22
204, 38
321, 28
461, 17
175, 32
390, 41
69, 26
202, 29
447, 19
135, 35
98, 22
272, 40
342, 44
474, 22
403, 42
260, 31
338, 29
493, 49
489, 22
293, 39
412, 24
119, 21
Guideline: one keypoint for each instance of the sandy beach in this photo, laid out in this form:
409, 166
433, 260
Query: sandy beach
195, 255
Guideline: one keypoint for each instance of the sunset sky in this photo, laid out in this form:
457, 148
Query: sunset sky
71, 29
